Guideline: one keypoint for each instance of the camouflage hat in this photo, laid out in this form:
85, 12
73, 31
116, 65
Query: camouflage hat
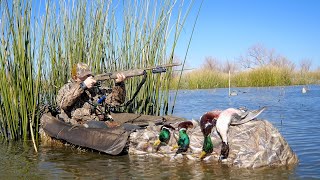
80, 70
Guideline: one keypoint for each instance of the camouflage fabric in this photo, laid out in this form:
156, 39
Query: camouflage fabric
74, 101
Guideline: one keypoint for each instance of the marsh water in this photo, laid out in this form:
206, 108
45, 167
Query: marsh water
295, 114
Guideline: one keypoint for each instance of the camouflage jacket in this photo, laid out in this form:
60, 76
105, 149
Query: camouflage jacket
74, 102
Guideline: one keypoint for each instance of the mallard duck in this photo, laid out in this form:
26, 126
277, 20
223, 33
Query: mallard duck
207, 122
184, 140
164, 136
232, 116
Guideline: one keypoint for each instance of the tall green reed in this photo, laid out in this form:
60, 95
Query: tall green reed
20, 69
92, 33
37, 52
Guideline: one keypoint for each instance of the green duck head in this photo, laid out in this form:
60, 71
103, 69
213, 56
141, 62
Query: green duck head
164, 135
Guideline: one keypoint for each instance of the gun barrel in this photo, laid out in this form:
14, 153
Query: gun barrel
128, 74
134, 72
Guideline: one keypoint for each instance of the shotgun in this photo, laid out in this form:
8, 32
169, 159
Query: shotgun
135, 72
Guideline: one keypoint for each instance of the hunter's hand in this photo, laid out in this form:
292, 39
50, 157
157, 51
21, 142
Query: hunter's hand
90, 82
120, 77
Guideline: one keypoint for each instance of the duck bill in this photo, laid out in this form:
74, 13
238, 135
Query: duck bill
157, 142
202, 155
174, 147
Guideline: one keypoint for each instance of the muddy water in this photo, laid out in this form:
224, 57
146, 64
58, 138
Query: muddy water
293, 113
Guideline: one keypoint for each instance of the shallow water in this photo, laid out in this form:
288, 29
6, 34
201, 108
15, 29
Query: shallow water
293, 113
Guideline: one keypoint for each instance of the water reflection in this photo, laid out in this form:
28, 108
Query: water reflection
18, 159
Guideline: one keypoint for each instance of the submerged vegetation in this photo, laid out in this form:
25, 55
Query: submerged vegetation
39, 46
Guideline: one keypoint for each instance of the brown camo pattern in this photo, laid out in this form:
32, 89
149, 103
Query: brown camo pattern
73, 101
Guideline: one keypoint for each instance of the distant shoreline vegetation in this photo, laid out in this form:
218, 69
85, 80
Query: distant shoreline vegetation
260, 77
259, 67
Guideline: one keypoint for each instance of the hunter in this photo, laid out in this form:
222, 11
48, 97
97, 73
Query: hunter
77, 98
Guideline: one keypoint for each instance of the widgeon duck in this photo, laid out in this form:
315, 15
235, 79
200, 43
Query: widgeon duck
232, 116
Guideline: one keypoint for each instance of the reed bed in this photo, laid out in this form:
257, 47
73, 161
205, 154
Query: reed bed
305, 78
38, 50
264, 76
202, 79
20, 71
259, 77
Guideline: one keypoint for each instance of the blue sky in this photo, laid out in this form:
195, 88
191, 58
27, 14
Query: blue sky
226, 29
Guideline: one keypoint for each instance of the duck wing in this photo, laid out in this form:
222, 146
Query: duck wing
245, 117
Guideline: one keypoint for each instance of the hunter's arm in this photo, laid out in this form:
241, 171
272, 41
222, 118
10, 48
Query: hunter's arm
118, 94
68, 95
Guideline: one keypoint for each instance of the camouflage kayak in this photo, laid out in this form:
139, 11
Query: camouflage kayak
255, 144
112, 141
